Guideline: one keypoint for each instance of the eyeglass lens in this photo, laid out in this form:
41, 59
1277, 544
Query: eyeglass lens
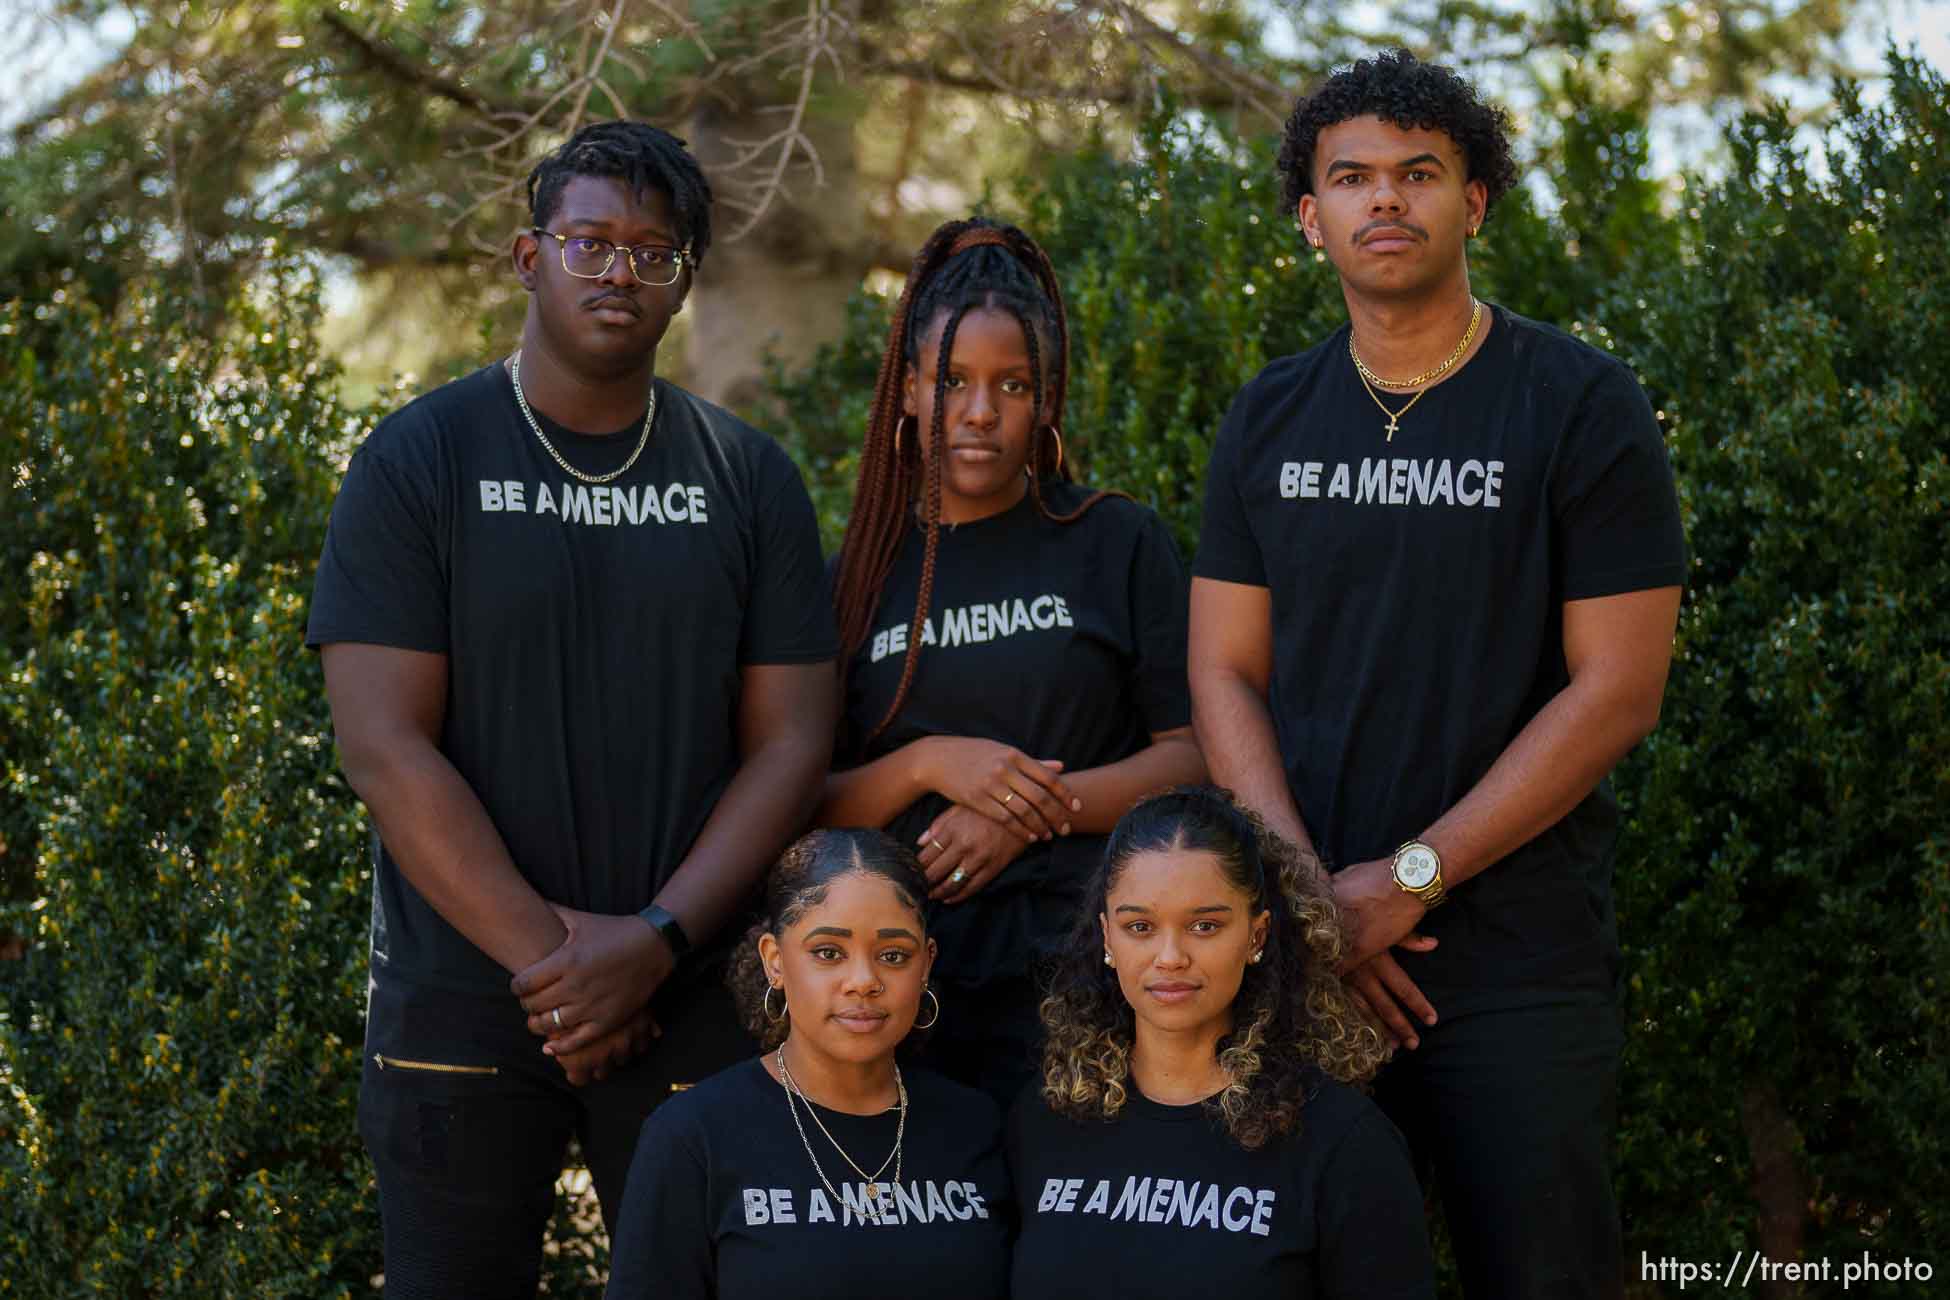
589, 258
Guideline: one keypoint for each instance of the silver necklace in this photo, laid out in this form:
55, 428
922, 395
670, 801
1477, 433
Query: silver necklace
521, 400
872, 1180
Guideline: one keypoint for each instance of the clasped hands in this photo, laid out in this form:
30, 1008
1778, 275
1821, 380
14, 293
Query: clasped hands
1002, 802
1379, 916
589, 1000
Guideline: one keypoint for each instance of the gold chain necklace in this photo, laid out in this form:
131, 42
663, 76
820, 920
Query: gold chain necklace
1475, 319
1394, 417
872, 1180
521, 400
1370, 381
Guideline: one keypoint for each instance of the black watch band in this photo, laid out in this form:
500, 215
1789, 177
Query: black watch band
658, 918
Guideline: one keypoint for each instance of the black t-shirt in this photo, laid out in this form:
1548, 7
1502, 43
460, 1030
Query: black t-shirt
1162, 1202
1417, 590
594, 635
1066, 641
724, 1201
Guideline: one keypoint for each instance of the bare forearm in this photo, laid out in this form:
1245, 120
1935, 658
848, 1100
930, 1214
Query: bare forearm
1109, 791
875, 793
1554, 762
435, 828
767, 804
1235, 733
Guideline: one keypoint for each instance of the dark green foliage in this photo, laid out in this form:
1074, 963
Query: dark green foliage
1785, 884
180, 1045
1785, 878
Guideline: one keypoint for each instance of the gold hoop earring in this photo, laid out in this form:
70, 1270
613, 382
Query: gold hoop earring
937, 1011
898, 426
766, 1005
1057, 434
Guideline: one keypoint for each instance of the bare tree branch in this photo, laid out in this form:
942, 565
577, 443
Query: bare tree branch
400, 68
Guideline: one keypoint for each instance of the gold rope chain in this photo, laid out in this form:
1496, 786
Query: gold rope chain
1427, 376
521, 399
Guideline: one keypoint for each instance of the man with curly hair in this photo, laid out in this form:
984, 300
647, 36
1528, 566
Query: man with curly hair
1433, 606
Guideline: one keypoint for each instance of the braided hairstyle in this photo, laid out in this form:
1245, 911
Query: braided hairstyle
964, 266
643, 158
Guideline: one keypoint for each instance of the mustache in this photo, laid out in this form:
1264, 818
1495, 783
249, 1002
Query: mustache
610, 296
1361, 235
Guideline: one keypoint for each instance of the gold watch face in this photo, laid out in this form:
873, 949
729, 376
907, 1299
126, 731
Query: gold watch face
1416, 868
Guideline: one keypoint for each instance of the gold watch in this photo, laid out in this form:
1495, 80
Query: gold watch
1418, 873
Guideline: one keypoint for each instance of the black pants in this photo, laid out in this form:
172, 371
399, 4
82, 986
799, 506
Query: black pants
467, 1123
1510, 1114
989, 1037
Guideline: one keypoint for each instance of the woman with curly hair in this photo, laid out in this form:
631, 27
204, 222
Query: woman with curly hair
1013, 644
1197, 1132
823, 1167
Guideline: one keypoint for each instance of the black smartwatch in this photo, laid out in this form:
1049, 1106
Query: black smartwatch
659, 919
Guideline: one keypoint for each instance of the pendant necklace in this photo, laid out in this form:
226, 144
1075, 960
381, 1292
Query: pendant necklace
1370, 381
871, 1180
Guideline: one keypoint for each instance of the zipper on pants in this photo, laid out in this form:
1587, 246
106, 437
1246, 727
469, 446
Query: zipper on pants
385, 1062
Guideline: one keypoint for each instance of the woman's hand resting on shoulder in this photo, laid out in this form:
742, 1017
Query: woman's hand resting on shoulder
966, 842
1001, 783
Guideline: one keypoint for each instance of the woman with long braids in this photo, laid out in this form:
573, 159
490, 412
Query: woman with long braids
1196, 1132
822, 1167
1013, 645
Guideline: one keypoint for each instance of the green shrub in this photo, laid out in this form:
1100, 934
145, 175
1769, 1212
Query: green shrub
180, 1046
1784, 887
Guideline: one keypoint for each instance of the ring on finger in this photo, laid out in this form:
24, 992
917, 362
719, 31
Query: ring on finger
956, 876
1008, 798
556, 1014
938, 845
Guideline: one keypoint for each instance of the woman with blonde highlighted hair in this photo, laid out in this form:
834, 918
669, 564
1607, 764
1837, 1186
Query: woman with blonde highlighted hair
1197, 1131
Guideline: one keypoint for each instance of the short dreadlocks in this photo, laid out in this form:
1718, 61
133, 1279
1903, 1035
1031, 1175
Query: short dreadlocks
643, 158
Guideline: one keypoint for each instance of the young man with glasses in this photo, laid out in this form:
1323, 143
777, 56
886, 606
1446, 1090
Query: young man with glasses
579, 657
1433, 605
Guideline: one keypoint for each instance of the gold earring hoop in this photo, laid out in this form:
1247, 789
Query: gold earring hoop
936, 1019
898, 426
1057, 434
766, 1005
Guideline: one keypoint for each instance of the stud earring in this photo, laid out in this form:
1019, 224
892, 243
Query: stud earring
1107, 960
1254, 959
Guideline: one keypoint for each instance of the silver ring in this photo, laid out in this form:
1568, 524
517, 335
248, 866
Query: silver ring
557, 1013
956, 876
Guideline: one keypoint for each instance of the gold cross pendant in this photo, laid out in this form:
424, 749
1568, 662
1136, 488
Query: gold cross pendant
1391, 429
